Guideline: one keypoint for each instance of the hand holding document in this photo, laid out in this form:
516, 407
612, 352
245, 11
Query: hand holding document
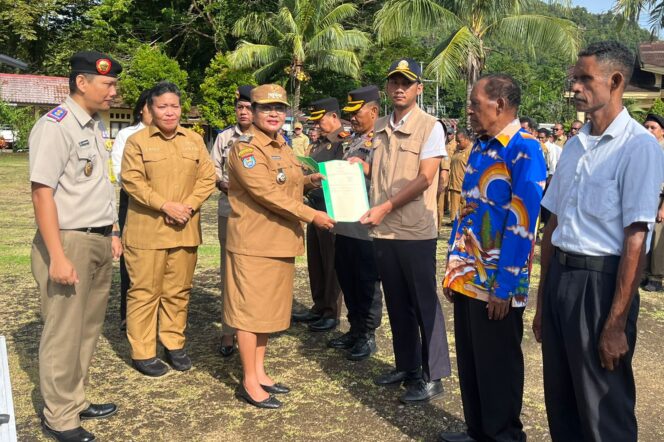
344, 190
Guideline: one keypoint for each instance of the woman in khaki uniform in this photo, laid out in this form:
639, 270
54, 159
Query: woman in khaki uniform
264, 236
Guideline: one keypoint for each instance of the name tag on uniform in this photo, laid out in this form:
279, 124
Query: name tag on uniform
84, 143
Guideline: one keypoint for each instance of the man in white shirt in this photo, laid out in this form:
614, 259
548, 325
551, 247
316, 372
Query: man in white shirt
603, 200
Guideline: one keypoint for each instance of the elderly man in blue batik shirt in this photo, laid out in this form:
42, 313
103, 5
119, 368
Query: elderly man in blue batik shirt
488, 267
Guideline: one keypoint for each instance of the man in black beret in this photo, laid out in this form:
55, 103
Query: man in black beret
325, 290
222, 145
77, 239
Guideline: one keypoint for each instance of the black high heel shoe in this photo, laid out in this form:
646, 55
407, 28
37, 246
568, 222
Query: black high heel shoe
271, 402
227, 350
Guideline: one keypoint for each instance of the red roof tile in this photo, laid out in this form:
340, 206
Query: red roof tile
652, 53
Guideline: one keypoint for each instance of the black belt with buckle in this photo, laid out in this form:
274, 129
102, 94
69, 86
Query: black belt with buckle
105, 230
603, 264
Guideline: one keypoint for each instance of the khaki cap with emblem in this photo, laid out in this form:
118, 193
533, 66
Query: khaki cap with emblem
269, 93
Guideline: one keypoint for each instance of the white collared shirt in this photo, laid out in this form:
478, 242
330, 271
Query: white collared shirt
435, 144
552, 157
604, 184
118, 147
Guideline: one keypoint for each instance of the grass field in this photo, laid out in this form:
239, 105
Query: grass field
332, 399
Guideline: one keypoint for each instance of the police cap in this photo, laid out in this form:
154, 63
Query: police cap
407, 67
243, 93
656, 118
93, 62
359, 97
323, 106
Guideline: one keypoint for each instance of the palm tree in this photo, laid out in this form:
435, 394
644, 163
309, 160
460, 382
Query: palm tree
466, 25
630, 10
303, 35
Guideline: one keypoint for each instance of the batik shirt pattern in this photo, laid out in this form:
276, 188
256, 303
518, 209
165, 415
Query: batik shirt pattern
492, 240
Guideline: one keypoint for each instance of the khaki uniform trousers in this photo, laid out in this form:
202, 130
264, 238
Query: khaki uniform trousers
455, 204
325, 289
656, 261
160, 286
442, 196
226, 329
73, 317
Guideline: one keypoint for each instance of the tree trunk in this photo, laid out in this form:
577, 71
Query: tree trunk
296, 97
473, 71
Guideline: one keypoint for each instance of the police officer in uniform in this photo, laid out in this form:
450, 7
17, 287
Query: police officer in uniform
168, 174
325, 289
264, 236
222, 146
76, 241
354, 258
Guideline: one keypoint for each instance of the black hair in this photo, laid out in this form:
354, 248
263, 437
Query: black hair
544, 131
161, 88
502, 86
614, 53
532, 124
463, 132
72, 81
137, 113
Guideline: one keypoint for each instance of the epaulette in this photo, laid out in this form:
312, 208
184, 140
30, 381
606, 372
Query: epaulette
245, 138
57, 114
231, 126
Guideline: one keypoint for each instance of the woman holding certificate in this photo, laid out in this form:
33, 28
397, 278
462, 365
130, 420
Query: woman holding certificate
264, 236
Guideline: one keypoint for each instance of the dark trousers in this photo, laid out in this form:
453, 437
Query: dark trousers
325, 289
490, 363
585, 402
124, 275
408, 271
355, 263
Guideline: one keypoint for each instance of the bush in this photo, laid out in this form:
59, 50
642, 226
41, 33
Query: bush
21, 119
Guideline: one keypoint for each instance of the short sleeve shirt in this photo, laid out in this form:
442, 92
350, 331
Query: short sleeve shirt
601, 187
222, 145
68, 153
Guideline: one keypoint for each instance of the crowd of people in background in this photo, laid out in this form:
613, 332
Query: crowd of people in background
592, 192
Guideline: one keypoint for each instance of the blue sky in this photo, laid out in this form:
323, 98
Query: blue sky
598, 6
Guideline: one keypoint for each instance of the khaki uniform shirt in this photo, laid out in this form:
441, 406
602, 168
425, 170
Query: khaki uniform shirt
222, 145
458, 164
396, 162
68, 153
561, 141
300, 144
446, 161
156, 170
267, 208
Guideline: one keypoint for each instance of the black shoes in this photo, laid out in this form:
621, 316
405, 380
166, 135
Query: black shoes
364, 347
422, 391
397, 377
455, 437
323, 324
226, 350
271, 402
345, 341
305, 316
98, 411
276, 389
178, 359
76, 435
153, 367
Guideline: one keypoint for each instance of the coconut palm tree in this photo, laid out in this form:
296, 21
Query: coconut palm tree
465, 26
302, 35
631, 10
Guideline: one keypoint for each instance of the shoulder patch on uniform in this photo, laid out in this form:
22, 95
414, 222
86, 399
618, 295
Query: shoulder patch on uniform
249, 161
245, 138
246, 151
57, 114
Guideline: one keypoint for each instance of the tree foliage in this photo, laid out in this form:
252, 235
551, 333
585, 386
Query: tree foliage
21, 120
218, 91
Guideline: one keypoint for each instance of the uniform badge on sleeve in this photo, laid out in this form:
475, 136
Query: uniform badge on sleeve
57, 114
249, 161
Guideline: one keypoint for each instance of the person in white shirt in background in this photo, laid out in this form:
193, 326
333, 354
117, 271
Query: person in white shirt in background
141, 118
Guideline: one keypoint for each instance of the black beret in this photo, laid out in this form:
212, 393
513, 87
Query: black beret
407, 67
93, 62
323, 106
358, 97
243, 93
656, 118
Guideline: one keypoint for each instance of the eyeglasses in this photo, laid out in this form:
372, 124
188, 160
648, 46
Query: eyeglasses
576, 129
556, 129
269, 108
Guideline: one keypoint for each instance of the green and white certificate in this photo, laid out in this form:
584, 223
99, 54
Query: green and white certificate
344, 190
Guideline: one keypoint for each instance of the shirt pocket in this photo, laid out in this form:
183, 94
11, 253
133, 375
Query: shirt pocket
87, 167
601, 199
190, 160
155, 163
408, 158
